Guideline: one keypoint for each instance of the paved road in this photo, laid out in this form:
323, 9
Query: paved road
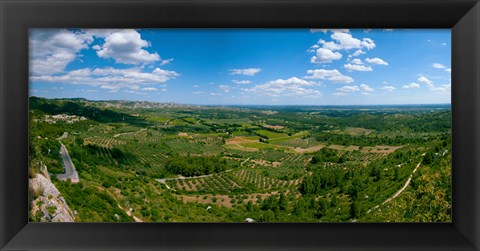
70, 171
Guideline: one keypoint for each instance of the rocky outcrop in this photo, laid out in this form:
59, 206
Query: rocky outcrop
49, 206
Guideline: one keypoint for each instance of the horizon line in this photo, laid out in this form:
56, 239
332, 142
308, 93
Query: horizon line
193, 104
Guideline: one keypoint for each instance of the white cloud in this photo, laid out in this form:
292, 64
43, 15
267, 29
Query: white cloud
149, 89
215, 94
428, 82
411, 86
442, 88
367, 88
110, 78
365, 94
438, 66
345, 41
357, 53
378, 61
389, 88
166, 61
241, 82
325, 56
349, 88
247, 71
339, 94
224, 88
51, 50
388, 30
356, 67
126, 46
357, 61
368, 43
441, 66
286, 87
331, 75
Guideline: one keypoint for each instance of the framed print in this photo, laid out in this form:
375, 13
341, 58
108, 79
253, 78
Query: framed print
239, 125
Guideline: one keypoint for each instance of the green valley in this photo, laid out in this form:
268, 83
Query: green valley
166, 162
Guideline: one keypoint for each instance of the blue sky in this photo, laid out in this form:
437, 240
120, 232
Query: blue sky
244, 66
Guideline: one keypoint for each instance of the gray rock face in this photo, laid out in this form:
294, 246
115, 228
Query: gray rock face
49, 206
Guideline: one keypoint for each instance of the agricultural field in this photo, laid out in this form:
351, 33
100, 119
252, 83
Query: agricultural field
184, 163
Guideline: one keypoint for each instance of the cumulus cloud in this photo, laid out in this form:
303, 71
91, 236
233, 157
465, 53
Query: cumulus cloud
286, 87
357, 53
341, 40
411, 86
51, 50
389, 88
241, 82
356, 67
349, 88
111, 78
127, 47
345, 41
368, 43
378, 61
366, 88
247, 71
331, 75
357, 61
426, 81
325, 56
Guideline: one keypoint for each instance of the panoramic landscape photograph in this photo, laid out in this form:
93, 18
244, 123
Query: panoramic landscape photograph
240, 125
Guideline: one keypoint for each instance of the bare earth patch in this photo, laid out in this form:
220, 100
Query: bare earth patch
275, 127
357, 131
337, 147
352, 148
309, 149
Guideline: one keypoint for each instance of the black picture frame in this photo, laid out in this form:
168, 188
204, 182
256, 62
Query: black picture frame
17, 16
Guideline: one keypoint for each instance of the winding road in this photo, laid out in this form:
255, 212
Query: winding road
70, 171
399, 191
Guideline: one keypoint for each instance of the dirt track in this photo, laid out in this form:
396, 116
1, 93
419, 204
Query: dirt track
399, 191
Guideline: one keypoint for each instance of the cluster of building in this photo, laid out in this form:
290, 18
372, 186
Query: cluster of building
69, 119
